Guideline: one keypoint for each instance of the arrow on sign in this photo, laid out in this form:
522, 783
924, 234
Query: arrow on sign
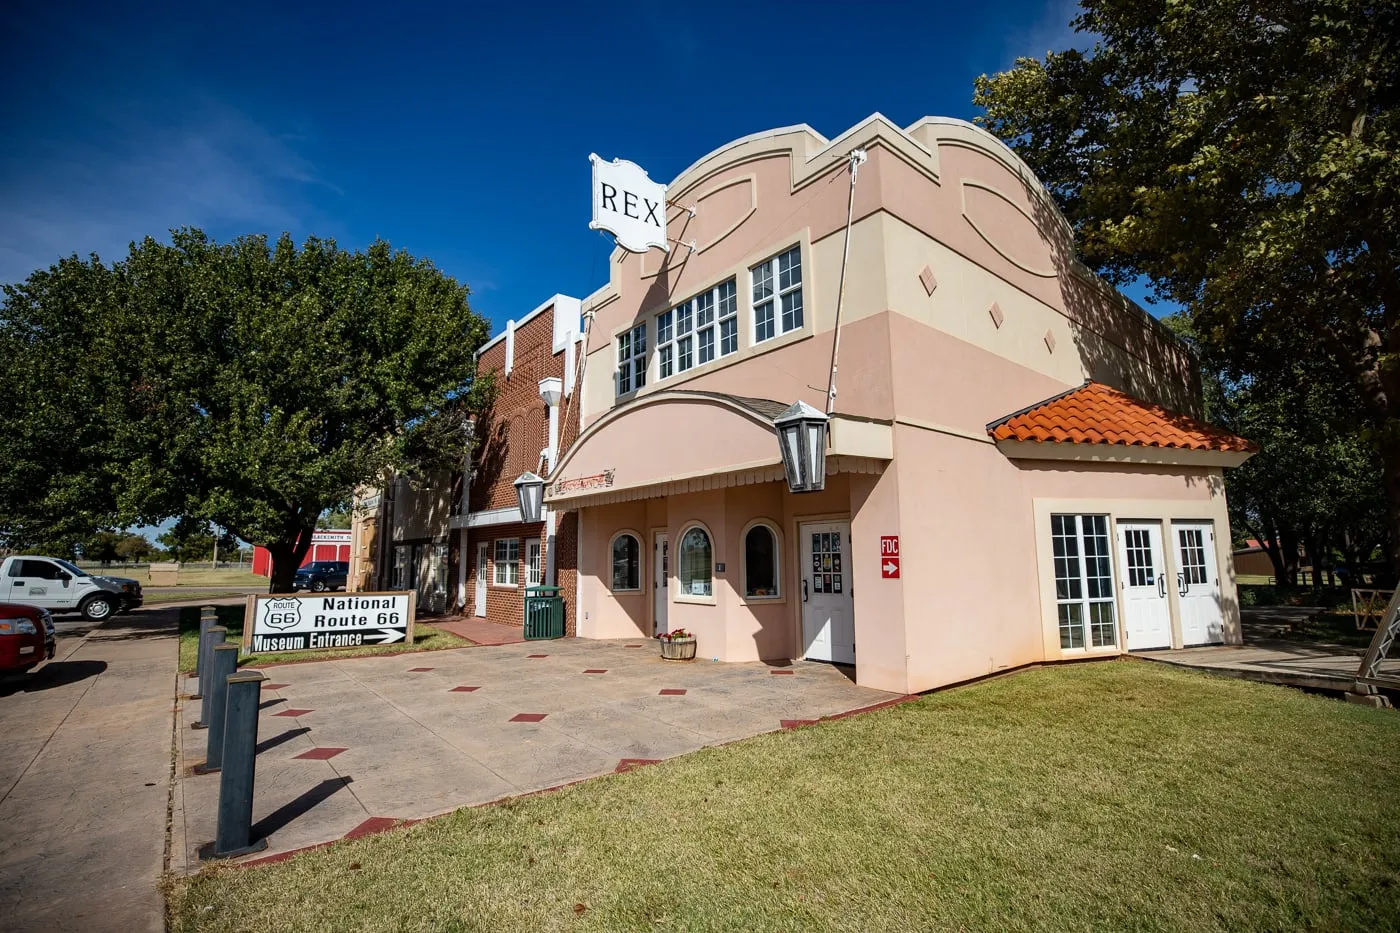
387, 636
891, 566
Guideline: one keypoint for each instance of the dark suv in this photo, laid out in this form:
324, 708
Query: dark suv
321, 575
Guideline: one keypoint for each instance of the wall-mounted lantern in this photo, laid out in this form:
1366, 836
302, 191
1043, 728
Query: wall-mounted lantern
529, 492
802, 441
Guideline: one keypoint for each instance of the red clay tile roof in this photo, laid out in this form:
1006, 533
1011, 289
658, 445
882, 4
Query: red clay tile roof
1097, 414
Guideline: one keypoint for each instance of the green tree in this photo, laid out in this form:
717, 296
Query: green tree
338, 518
102, 547
134, 548
251, 384
189, 539
1244, 158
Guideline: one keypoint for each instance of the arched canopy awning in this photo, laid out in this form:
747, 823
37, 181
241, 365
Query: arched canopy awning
683, 441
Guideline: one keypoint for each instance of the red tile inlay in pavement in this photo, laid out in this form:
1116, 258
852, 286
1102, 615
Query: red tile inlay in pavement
596, 670
536, 655
375, 824
464, 690
419, 670
672, 692
794, 723
275, 686
631, 646
319, 754
782, 672
627, 764
528, 717
294, 712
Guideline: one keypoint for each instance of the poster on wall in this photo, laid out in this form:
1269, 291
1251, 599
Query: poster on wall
306, 622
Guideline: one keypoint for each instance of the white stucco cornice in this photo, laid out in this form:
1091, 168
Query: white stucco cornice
1121, 453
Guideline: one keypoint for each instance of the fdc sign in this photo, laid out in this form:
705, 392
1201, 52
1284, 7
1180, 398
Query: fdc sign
290, 622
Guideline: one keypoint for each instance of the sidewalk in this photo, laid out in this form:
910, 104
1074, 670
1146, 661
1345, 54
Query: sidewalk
479, 631
85, 781
352, 746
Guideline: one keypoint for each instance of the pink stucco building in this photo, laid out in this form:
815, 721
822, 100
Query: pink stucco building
1012, 420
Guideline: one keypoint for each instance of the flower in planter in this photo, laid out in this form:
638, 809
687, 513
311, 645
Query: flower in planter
677, 635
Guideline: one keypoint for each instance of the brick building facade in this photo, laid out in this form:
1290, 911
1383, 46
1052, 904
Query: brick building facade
500, 555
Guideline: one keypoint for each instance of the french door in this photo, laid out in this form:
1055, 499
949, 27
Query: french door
1146, 607
1084, 597
1198, 584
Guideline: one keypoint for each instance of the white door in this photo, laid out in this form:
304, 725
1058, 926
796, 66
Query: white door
532, 561
1146, 609
660, 573
1198, 584
483, 553
828, 610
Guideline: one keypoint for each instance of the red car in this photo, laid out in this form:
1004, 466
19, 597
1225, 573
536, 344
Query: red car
26, 637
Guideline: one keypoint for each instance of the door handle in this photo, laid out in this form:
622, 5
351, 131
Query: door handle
804, 589
1161, 586
1181, 584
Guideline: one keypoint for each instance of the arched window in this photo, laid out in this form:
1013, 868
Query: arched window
626, 563
696, 565
761, 562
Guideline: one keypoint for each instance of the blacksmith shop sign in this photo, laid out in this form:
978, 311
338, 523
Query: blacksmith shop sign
291, 622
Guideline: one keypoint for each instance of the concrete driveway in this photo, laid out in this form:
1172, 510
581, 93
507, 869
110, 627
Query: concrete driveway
347, 747
85, 779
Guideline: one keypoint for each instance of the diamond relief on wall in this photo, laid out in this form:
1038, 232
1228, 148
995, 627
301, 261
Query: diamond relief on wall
997, 316
1050, 341
926, 277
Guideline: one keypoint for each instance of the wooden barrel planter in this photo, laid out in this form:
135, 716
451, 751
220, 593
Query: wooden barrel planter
678, 649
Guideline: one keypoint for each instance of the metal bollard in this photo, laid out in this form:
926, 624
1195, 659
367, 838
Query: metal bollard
224, 662
239, 766
207, 620
215, 636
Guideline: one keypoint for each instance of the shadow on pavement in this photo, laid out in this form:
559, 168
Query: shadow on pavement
284, 815
276, 740
51, 675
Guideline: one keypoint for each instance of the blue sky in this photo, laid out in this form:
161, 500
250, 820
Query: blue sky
459, 132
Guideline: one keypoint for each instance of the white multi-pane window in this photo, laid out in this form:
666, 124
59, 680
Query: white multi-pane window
1083, 581
632, 359
1193, 556
532, 562
507, 563
777, 295
695, 331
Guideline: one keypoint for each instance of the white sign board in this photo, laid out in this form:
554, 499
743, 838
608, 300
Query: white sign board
628, 204
292, 622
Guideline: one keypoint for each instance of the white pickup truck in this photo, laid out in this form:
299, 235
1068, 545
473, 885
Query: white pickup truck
59, 586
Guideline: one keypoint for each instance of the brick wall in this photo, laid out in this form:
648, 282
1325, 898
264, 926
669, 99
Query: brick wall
506, 604
512, 433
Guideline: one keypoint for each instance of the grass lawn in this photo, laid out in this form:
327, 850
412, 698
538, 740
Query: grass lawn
190, 575
175, 596
425, 638
1111, 796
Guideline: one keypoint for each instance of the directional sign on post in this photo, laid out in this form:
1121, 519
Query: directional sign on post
294, 622
889, 557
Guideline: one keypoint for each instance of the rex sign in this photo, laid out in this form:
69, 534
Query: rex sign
628, 204
288, 622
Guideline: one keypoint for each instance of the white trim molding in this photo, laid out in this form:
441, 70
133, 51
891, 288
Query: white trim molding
508, 516
1120, 453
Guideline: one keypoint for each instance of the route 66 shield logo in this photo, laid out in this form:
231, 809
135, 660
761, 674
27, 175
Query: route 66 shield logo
282, 614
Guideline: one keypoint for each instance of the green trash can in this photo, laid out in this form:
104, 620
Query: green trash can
544, 613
